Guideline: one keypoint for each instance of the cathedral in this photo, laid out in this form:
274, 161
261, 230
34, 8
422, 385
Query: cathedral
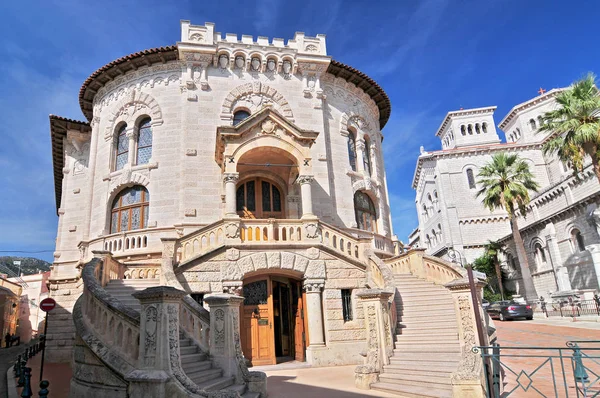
561, 229
224, 205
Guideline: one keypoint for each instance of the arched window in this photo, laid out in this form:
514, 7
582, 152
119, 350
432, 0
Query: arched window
540, 255
434, 237
477, 128
470, 178
435, 201
484, 127
121, 148
463, 130
364, 210
130, 210
258, 198
532, 124
367, 156
352, 150
425, 212
470, 129
518, 132
511, 137
144, 149
240, 116
540, 121
577, 242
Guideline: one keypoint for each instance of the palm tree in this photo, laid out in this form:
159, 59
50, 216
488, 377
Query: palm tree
505, 184
492, 249
575, 125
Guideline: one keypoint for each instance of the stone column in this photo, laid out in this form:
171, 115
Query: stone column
379, 336
230, 180
131, 154
467, 380
159, 357
225, 332
594, 249
360, 154
306, 192
314, 308
555, 259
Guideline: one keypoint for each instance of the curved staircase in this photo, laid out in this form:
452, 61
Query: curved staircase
427, 347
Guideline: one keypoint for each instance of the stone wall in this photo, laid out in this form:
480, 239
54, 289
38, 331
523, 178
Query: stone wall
61, 331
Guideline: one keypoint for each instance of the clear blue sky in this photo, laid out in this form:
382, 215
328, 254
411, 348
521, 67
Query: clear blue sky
429, 56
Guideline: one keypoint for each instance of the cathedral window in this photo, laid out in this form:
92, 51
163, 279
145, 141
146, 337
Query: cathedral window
240, 116
577, 242
347, 304
364, 211
144, 144
352, 150
367, 156
425, 212
477, 128
470, 129
463, 130
532, 124
470, 179
121, 148
130, 210
540, 255
484, 127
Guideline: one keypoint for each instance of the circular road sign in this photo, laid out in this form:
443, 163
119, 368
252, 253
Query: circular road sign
47, 304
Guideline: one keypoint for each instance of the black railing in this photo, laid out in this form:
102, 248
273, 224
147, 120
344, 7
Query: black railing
22, 372
570, 308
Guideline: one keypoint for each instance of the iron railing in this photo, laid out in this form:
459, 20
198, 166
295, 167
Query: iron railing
572, 371
570, 308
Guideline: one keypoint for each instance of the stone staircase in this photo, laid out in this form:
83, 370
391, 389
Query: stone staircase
196, 365
427, 348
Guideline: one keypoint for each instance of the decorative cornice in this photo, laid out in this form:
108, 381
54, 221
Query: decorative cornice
305, 179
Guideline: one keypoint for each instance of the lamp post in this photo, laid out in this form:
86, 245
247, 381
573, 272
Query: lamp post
453, 254
18, 262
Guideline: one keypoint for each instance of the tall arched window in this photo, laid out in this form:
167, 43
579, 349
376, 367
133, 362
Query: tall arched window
470, 129
144, 149
477, 128
121, 148
364, 211
577, 242
518, 132
425, 212
130, 210
484, 127
367, 156
470, 179
240, 116
352, 150
463, 130
540, 255
532, 124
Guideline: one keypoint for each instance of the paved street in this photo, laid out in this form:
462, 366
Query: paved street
541, 364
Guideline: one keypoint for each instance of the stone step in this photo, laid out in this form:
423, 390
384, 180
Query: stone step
250, 394
430, 326
193, 367
217, 384
184, 342
134, 281
187, 358
408, 391
191, 349
407, 332
425, 349
422, 362
205, 375
426, 307
442, 383
425, 319
441, 369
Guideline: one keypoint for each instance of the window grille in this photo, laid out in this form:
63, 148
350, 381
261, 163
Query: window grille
347, 304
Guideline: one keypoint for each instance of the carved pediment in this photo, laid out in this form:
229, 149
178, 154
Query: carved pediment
265, 123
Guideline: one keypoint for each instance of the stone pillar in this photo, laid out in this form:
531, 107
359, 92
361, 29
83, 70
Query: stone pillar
225, 332
468, 380
379, 336
555, 259
360, 154
306, 192
314, 308
230, 180
595, 252
131, 154
159, 357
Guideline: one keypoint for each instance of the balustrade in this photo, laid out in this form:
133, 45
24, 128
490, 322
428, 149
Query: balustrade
422, 266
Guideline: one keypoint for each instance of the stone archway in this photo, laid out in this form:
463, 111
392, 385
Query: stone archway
135, 105
253, 97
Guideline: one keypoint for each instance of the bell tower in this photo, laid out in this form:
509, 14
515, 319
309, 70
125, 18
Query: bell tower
468, 127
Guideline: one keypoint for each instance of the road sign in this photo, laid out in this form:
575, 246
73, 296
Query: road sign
479, 275
47, 304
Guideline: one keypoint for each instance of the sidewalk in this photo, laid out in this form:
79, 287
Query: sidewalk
582, 322
58, 374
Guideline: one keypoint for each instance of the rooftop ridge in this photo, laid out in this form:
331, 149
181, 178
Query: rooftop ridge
460, 112
533, 101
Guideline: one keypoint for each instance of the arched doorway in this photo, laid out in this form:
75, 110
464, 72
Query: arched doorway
273, 323
259, 198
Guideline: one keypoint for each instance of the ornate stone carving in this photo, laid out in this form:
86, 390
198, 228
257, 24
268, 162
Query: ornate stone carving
223, 61
594, 219
219, 328
233, 254
150, 338
312, 230
313, 253
268, 127
372, 355
305, 179
232, 230
196, 37
311, 48
134, 104
231, 177
469, 361
313, 286
239, 62
271, 65
255, 64
253, 96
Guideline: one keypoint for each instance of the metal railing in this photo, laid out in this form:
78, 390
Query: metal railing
560, 372
570, 308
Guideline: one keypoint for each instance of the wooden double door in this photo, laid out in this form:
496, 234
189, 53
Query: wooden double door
259, 198
273, 322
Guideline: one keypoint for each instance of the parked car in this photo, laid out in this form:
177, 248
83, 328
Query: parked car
485, 304
504, 310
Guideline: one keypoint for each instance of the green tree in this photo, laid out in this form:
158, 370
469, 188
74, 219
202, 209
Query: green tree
575, 125
492, 249
505, 183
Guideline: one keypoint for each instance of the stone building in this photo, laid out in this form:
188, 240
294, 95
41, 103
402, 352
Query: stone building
31, 317
218, 168
560, 230
9, 308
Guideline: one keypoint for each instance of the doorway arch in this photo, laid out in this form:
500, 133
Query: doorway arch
260, 197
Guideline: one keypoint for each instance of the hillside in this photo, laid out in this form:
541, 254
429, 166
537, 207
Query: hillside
29, 265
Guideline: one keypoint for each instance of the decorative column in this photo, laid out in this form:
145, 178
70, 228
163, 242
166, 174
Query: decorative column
158, 358
131, 154
594, 249
225, 332
562, 283
360, 154
314, 308
306, 192
230, 180
379, 336
467, 380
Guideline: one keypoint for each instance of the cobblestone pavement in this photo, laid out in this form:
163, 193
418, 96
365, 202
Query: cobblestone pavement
539, 365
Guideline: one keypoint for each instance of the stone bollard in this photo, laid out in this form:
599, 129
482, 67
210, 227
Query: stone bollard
17, 367
27, 393
224, 330
21, 381
44, 389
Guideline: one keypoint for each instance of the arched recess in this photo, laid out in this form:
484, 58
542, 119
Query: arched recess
253, 96
130, 109
352, 120
275, 144
126, 180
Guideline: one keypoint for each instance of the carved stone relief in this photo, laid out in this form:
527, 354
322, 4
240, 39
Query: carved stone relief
468, 366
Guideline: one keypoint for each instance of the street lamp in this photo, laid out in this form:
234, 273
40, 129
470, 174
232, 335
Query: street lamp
453, 254
18, 262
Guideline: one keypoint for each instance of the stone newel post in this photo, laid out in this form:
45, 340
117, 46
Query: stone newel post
379, 336
224, 331
230, 180
158, 358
